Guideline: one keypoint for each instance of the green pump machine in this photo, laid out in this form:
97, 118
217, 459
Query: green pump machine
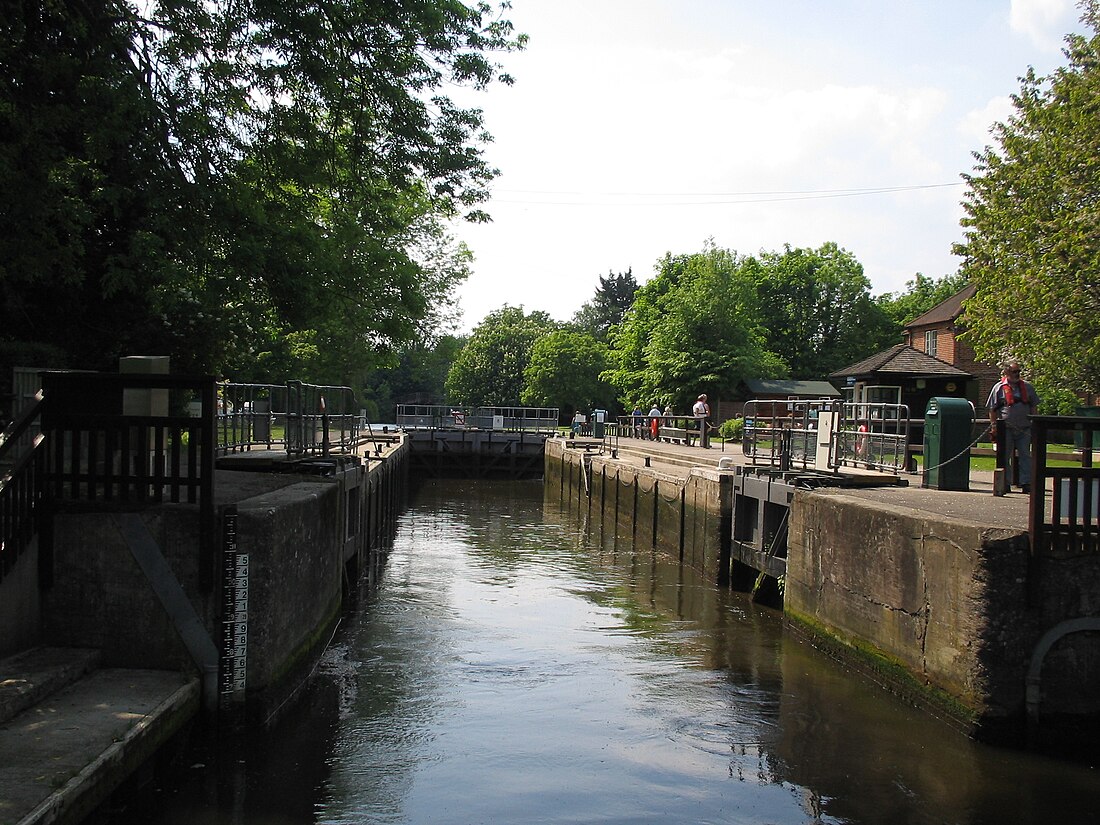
948, 423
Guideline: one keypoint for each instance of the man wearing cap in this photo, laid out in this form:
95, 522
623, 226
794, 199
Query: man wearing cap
701, 410
1015, 401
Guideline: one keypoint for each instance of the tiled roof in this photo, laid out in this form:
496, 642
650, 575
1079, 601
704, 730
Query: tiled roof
944, 311
902, 359
811, 389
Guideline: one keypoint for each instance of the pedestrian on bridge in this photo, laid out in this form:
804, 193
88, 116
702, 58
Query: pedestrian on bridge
638, 420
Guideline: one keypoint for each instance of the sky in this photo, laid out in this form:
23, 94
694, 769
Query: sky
637, 128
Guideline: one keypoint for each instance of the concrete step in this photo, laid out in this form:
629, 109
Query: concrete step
64, 755
28, 677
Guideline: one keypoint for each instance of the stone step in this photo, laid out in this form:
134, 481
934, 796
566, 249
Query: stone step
28, 677
65, 754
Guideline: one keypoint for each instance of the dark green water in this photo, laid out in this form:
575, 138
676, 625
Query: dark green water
504, 666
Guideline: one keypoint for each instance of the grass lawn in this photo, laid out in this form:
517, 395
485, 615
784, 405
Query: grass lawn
989, 463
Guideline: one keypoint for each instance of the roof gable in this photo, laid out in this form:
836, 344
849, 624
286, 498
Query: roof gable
902, 359
808, 389
944, 311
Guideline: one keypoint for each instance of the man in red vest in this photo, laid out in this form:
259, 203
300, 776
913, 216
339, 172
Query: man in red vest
1015, 401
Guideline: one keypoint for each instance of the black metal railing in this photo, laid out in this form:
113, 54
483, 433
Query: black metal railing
132, 439
302, 419
22, 467
674, 428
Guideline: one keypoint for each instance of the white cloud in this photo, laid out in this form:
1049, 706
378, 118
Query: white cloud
1044, 22
977, 124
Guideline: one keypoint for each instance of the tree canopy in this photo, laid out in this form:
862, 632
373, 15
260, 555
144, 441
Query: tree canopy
614, 296
920, 295
693, 328
490, 368
816, 310
565, 372
1032, 225
243, 185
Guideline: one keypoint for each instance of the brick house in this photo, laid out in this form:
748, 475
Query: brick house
935, 333
931, 361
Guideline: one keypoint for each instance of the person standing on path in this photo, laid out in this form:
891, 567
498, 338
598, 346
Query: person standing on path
1014, 401
637, 419
701, 411
654, 422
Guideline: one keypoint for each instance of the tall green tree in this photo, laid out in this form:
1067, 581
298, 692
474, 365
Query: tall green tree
816, 310
693, 328
234, 182
490, 368
565, 372
419, 377
614, 296
920, 295
1032, 225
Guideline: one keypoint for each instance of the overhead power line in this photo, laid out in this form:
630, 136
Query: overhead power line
706, 198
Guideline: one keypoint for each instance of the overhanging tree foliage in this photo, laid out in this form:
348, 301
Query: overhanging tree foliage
1032, 238
235, 184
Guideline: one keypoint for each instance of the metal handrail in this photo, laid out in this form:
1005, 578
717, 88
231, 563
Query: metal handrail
872, 435
300, 418
628, 428
457, 416
785, 434
782, 434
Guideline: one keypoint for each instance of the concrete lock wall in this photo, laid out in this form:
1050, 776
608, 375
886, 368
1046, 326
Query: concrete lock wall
20, 604
304, 537
294, 539
944, 601
946, 610
677, 516
101, 599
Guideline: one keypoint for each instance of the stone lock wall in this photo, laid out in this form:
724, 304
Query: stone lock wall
944, 600
682, 517
304, 537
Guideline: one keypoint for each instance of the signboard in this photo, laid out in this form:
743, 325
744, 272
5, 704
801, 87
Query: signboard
498, 422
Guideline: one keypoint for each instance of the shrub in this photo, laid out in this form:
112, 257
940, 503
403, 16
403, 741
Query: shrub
732, 429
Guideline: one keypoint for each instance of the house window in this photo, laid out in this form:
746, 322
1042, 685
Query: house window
930, 342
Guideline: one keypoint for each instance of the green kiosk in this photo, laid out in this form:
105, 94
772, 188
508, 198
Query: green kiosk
948, 423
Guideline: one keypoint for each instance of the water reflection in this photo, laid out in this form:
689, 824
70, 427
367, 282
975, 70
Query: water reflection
510, 665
